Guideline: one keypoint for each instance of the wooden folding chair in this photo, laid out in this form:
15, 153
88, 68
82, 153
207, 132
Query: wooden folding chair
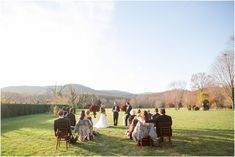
164, 131
147, 141
62, 137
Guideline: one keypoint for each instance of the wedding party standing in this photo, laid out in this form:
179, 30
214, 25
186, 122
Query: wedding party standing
128, 110
115, 110
103, 121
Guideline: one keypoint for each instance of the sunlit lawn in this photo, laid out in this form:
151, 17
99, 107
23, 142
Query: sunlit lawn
194, 133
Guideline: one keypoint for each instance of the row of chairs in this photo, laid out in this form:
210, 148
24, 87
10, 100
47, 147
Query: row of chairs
165, 131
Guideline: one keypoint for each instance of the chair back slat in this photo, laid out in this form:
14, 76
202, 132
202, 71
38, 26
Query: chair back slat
165, 129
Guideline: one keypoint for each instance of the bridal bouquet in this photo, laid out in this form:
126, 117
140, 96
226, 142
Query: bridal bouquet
123, 107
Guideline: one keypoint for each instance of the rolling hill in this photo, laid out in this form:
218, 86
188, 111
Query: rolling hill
42, 90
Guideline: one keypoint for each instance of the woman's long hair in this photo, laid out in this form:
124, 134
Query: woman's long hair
102, 110
82, 115
144, 115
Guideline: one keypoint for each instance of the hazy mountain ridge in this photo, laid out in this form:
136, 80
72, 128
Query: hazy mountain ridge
42, 90
43, 95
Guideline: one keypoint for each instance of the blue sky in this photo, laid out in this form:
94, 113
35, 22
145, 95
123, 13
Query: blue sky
131, 46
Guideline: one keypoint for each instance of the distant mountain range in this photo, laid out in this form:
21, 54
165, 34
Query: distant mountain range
42, 90
44, 94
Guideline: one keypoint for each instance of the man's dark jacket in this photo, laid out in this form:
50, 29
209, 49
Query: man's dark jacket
61, 125
161, 119
72, 119
128, 110
155, 115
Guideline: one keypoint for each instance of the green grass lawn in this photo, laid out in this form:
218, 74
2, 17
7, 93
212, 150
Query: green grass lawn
208, 133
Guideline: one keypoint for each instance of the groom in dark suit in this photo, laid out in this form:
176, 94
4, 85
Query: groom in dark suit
128, 110
115, 110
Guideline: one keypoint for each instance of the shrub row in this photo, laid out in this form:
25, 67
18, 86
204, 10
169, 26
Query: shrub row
13, 110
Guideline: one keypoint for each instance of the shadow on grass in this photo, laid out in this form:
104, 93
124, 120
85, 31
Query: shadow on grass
118, 127
204, 142
106, 145
210, 142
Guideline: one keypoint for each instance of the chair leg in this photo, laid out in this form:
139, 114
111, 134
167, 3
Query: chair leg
139, 143
57, 144
68, 143
170, 140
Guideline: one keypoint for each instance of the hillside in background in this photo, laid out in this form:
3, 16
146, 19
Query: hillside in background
171, 98
42, 90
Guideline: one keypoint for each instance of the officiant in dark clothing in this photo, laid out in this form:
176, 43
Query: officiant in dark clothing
115, 110
128, 110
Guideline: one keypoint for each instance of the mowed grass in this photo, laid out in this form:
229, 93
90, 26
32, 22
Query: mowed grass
209, 133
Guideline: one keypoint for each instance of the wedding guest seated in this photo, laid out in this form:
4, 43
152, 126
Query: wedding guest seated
143, 129
140, 131
71, 117
132, 116
65, 114
132, 127
156, 114
149, 115
61, 126
161, 118
88, 117
138, 112
83, 127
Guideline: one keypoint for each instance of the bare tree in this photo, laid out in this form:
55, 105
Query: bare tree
200, 81
178, 89
223, 71
57, 90
57, 93
73, 98
85, 99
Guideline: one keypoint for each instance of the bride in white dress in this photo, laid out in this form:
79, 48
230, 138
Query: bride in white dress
103, 121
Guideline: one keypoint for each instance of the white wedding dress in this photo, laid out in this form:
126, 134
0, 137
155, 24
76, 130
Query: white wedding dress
102, 122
